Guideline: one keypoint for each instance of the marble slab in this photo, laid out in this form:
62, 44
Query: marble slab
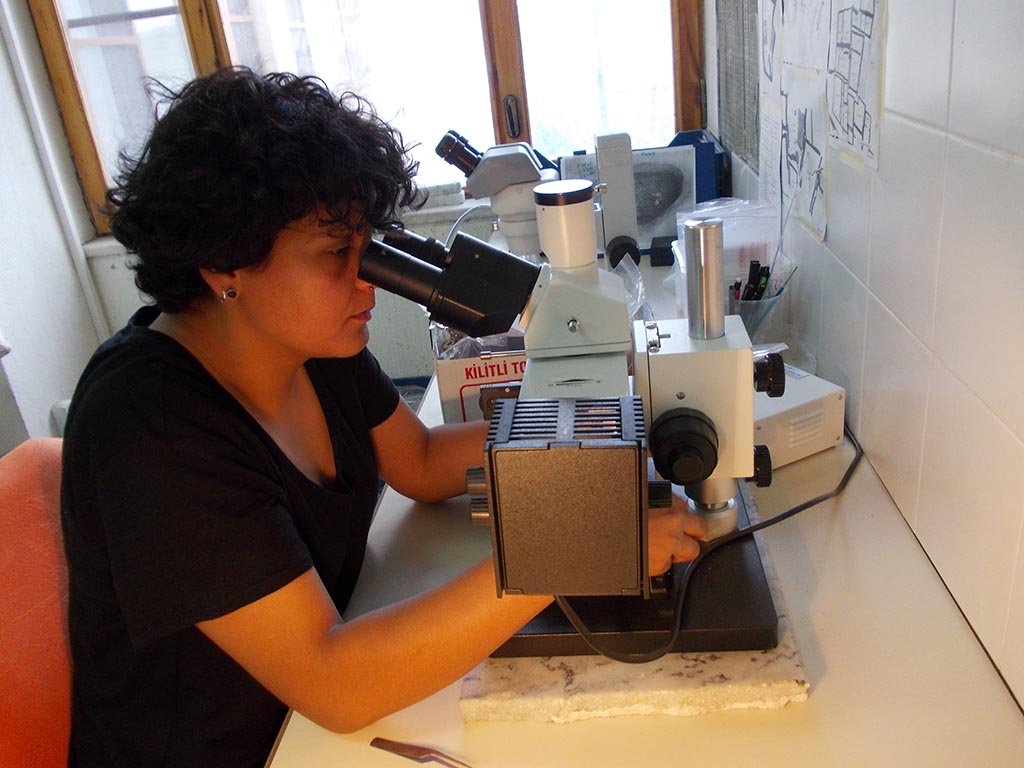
570, 688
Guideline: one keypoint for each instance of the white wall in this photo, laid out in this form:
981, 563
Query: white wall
915, 301
44, 315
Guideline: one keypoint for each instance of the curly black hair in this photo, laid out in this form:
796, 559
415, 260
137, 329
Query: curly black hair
237, 156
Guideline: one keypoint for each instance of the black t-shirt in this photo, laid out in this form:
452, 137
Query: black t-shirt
177, 507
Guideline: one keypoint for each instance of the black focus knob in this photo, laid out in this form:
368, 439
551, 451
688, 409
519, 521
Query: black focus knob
684, 446
762, 466
621, 246
770, 375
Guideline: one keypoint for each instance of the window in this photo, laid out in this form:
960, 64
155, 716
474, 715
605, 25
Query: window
98, 53
597, 66
423, 68
466, 65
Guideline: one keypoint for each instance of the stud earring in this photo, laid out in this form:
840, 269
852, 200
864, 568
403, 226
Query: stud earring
228, 293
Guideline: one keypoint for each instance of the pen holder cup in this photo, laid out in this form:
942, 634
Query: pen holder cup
756, 314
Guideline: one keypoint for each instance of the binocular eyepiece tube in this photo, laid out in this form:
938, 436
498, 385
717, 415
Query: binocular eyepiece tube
472, 287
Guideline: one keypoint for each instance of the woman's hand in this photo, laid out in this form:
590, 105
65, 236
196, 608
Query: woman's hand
672, 536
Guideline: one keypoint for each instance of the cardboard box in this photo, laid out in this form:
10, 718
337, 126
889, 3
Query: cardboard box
491, 360
459, 381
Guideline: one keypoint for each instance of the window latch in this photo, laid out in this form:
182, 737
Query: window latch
513, 126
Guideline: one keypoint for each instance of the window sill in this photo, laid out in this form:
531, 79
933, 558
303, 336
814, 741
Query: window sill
103, 247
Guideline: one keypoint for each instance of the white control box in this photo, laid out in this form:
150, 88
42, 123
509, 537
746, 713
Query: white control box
807, 419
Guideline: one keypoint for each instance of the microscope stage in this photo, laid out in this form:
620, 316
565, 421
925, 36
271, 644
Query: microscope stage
728, 607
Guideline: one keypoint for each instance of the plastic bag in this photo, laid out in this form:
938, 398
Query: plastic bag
750, 232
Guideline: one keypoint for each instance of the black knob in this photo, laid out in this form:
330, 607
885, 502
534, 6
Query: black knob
684, 446
762, 466
770, 375
621, 246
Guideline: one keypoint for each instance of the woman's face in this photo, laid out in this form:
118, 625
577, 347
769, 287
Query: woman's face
306, 298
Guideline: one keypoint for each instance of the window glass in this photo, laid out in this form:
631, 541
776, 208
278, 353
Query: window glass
115, 45
597, 66
421, 64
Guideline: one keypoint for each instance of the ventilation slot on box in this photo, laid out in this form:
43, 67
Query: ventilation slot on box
598, 419
535, 420
807, 428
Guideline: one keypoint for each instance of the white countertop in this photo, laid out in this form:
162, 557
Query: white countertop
896, 674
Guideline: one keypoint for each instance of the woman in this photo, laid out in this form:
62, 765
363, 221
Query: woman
223, 451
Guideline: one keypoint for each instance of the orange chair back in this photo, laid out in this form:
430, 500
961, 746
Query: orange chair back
35, 667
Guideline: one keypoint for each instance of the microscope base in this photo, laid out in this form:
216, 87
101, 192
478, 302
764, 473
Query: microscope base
728, 607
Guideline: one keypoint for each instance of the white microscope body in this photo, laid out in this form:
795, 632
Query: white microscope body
694, 376
577, 327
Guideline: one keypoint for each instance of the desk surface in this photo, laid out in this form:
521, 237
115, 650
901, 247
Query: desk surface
896, 675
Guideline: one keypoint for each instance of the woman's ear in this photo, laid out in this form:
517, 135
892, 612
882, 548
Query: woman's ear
223, 284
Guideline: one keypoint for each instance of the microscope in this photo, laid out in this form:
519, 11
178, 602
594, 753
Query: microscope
505, 174
612, 417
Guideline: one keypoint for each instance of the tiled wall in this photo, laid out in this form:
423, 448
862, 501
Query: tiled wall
915, 301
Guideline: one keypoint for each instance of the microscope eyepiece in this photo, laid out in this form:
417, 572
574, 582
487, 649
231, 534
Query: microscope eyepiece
397, 272
473, 287
454, 149
423, 248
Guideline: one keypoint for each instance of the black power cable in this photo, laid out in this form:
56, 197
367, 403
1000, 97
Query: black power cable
706, 549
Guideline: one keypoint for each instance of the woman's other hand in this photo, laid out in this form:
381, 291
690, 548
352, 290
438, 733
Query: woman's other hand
672, 536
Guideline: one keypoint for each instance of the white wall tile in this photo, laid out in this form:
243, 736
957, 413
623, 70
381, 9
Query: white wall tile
803, 294
937, 236
917, 59
987, 86
849, 213
892, 412
906, 204
979, 317
843, 319
1010, 659
968, 518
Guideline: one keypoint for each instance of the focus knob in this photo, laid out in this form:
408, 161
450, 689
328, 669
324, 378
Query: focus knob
684, 446
770, 375
621, 246
476, 481
479, 504
762, 466
659, 494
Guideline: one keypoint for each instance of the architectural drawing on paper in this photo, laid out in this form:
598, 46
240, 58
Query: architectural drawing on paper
805, 32
852, 85
769, 12
803, 160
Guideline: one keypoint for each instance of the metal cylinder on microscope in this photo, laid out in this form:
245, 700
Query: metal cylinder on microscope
565, 222
705, 287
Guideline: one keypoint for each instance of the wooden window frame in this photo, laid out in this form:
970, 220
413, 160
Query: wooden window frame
504, 57
207, 41
207, 44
